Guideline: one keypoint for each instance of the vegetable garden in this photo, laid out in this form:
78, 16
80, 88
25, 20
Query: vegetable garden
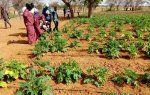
84, 53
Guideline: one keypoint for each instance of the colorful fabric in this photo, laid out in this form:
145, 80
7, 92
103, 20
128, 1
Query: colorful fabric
38, 17
29, 23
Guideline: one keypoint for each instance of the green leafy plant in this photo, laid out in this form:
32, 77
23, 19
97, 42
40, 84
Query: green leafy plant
68, 72
44, 36
132, 49
139, 34
98, 76
58, 44
44, 66
128, 36
41, 63
102, 34
65, 29
146, 77
10, 71
112, 34
129, 76
140, 44
112, 48
35, 86
93, 47
75, 44
148, 37
91, 29
77, 34
41, 47
147, 46
88, 36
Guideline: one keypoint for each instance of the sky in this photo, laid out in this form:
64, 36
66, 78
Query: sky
50, 1
60, 1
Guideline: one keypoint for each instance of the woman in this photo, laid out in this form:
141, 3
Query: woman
29, 23
39, 19
5, 17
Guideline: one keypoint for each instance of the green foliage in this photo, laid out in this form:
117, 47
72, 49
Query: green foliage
140, 44
118, 79
128, 36
76, 34
102, 34
93, 47
44, 66
146, 78
132, 49
148, 37
41, 62
91, 29
129, 76
147, 46
118, 26
58, 44
10, 71
68, 72
88, 36
44, 36
35, 86
112, 34
75, 44
65, 29
139, 34
97, 77
112, 48
41, 47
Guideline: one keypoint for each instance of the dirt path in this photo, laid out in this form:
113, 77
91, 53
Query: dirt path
13, 41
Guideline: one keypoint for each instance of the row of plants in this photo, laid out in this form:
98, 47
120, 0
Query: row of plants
138, 21
37, 76
112, 48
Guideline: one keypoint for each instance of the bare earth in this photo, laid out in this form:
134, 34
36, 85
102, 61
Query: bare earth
14, 45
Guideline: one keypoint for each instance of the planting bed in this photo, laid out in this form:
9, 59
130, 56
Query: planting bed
126, 29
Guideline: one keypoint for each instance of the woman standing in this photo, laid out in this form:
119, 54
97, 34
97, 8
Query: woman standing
39, 19
29, 23
5, 17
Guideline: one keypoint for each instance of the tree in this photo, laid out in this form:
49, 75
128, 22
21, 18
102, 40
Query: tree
5, 3
90, 4
54, 4
111, 3
118, 3
137, 3
68, 3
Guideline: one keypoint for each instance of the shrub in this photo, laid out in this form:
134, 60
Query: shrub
93, 47
97, 77
68, 72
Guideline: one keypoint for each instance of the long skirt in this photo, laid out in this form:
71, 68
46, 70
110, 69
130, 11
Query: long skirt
32, 35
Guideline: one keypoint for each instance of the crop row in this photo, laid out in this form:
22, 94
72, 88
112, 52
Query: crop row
112, 47
68, 72
105, 34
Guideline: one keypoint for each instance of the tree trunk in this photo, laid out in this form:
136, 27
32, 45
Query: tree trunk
70, 8
117, 7
90, 10
71, 12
